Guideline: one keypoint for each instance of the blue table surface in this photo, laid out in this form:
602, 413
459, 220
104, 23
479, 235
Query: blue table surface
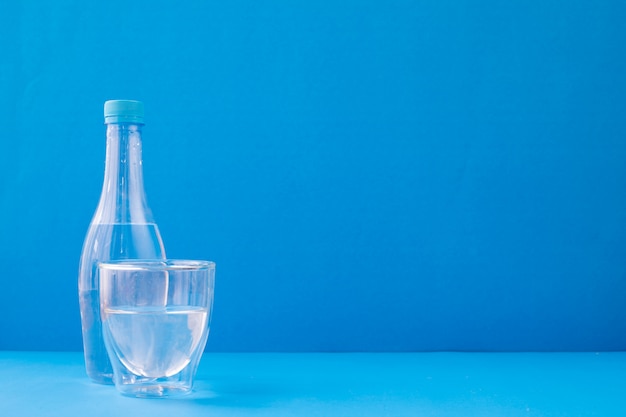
335, 384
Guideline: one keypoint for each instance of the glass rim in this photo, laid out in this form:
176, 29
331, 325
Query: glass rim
156, 265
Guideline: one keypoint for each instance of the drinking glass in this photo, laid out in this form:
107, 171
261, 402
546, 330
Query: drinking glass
155, 322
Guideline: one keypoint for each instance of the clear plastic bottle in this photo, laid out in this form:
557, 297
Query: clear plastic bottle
122, 226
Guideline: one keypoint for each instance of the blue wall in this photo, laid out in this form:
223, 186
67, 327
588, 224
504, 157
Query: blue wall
401, 175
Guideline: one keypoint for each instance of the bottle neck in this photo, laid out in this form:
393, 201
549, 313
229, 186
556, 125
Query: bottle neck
123, 198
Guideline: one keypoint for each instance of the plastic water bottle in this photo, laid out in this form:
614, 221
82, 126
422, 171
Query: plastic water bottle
122, 226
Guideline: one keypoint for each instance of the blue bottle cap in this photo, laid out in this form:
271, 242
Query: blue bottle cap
123, 111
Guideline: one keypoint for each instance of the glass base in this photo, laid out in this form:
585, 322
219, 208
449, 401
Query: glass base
156, 390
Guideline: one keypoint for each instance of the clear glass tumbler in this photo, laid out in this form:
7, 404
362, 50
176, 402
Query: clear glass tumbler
155, 322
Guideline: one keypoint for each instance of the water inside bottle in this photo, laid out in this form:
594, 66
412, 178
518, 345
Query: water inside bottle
109, 242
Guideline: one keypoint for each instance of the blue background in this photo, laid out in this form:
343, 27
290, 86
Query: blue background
400, 175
